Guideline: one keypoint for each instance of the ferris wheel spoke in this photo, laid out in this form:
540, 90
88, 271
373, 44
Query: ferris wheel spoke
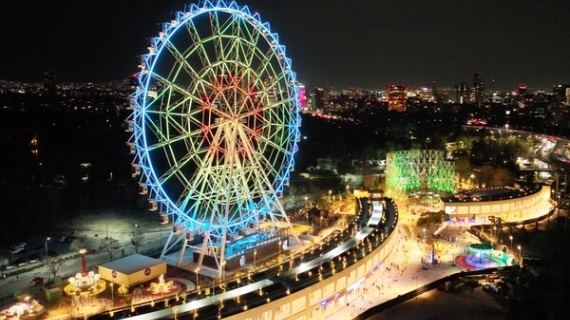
176, 168
198, 44
262, 162
241, 48
169, 140
181, 60
253, 37
274, 132
256, 175
219, 32
173, 87
154, 127
266, 61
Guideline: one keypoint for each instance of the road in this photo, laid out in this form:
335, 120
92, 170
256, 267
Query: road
20, 284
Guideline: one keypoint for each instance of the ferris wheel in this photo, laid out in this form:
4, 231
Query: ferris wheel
215, 127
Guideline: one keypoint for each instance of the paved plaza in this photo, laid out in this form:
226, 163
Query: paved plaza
410, 268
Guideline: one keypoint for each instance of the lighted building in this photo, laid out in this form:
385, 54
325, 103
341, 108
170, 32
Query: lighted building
423, 94
396, 97
302, 95
562, 93
485, 206
522, 89
318, 98
478, 88
132, 270
461, 93
419, 170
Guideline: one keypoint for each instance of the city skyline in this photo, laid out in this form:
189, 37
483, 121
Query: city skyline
368, 44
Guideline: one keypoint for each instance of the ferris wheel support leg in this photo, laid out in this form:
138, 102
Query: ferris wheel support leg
166, 245
221, 264
182, 252
203, 250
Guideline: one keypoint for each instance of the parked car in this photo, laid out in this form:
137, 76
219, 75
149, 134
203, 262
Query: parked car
37, 281
52, 253
66, 239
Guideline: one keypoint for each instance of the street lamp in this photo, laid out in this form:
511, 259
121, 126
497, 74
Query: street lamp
511, 237
112, 294
254, 259
520, 252
82, 252
330, 195
197, 272
46, 242
416, 278
321, 226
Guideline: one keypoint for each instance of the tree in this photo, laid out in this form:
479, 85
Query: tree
112, 246
4, 262
503, 177
343, 167
77, 244
137, 238
463, 166
53, 265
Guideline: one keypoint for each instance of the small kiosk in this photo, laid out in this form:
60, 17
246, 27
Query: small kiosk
132, 270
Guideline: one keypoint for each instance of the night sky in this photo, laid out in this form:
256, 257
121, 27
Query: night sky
360, 43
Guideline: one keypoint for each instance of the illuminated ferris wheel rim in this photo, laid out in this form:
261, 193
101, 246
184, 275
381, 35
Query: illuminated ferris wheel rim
151, 61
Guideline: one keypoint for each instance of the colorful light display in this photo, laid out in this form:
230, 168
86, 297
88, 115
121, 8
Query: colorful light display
419, 170
215, 126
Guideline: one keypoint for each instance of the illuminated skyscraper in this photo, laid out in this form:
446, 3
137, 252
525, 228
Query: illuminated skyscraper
478, 88
396, 97
461, 93
302, 95
319, 98
562, 93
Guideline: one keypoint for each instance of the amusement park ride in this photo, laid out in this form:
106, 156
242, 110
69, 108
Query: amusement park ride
215, 125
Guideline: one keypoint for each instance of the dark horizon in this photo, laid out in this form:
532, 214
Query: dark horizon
367, 44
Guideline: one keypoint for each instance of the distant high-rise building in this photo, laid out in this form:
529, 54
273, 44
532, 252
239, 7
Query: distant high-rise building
302, 97
396, 97
522, 89
461, 93
562, 93
433, 88
318, 98
49, 82
478, 88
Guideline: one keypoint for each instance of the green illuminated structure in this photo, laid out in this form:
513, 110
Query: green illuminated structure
419, 171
